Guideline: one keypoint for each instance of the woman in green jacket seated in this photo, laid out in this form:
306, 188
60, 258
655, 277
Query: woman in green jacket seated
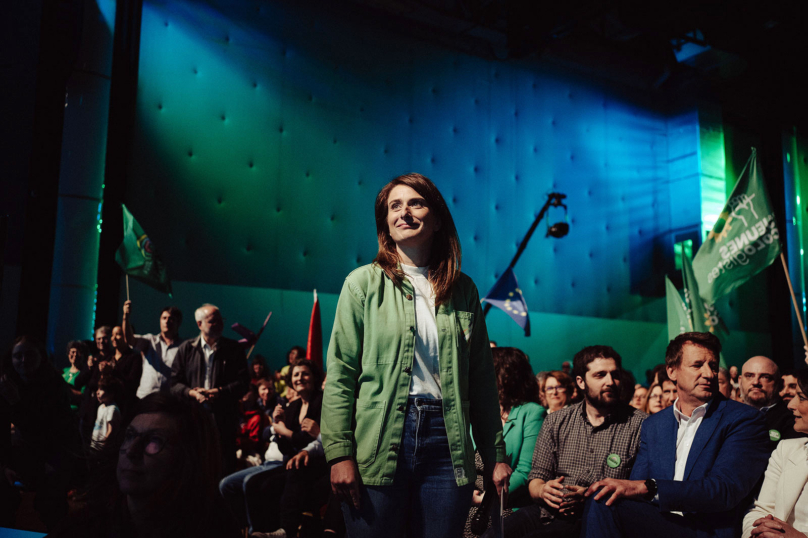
409, 371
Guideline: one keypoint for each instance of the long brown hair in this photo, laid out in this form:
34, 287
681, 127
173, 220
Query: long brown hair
515, 381
444, 259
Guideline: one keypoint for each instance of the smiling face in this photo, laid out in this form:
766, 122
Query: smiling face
72, 355
148, 454
759, 382
696, 376
799, 407
411, 223
102, 341
302, 380
117, 339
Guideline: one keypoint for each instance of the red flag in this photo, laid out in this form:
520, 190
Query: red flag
314, 348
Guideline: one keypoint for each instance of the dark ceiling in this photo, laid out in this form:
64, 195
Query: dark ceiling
753, 63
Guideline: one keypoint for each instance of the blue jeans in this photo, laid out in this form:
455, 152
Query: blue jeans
424, 500
235, 490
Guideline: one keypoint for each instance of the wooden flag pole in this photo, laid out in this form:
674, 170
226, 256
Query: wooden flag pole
794, 299
127, 286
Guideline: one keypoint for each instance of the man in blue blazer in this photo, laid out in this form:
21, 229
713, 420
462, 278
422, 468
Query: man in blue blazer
698, 459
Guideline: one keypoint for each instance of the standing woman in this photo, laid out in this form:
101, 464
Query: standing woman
410, 370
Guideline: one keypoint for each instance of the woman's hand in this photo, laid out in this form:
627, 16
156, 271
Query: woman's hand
345, 482
771, 527
501, 477
279, 415
310, 427
477, 498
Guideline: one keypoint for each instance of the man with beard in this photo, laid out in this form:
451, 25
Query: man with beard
698, 459
212, 369
760, 379
595, 438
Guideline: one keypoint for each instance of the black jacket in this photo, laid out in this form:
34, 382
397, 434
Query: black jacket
229, 372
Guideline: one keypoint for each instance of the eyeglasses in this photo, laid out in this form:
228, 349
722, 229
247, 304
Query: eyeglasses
149, 441
557, 388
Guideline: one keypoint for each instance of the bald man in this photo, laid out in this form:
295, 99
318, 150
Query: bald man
760, 383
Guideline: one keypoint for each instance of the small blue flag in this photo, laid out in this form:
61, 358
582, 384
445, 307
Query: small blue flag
507, 296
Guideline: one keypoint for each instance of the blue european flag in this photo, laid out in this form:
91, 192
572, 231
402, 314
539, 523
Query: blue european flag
507, 296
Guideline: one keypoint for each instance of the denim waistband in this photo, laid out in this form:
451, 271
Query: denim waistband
427, 404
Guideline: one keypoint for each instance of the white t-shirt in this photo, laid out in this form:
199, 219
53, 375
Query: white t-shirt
107, 414
426, 365
157, 360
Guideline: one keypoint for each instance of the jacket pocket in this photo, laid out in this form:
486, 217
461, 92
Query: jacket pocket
465, 321
369, 419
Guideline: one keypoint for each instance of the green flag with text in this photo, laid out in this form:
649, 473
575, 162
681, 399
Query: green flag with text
704, 315
678, 319
744, 240
138, 258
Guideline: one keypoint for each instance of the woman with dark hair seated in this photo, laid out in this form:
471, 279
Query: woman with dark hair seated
44, 454
250, 491
781, 508
156, 478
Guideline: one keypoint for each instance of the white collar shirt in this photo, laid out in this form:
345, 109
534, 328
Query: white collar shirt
208, 351
688, 426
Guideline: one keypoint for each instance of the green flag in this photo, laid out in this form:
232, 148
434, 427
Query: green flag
137, 256
704, 316
678, 319
744, 240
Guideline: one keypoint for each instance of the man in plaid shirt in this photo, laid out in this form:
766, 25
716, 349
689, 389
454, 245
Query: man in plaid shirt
585, 442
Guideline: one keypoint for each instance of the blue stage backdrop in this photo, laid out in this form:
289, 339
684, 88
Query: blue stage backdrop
265, 130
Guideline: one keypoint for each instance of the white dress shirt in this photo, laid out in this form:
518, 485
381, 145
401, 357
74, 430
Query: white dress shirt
158, 357
208, 351
688, 426
426, 366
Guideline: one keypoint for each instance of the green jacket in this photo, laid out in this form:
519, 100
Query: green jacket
520, 431
370, 360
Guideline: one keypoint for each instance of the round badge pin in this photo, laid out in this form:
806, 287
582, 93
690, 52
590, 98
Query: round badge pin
774, 436
613, 461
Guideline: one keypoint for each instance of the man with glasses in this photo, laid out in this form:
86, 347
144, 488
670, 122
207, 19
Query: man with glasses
760, 382
577, 446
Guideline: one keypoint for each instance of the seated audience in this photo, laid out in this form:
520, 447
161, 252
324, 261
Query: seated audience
669, 393
781, 509
724, 385
697, 461
252, 423
789, 386
45, 451
156, 478
596, 438
258, 370
267, 399
639, 398
557, 390
760, 379
522, 417
158, 350
653, 402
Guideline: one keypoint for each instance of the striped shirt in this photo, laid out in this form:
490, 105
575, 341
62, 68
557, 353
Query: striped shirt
569, 446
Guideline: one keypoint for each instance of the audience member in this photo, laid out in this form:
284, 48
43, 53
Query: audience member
577, 446
733, 377
158, 351
156, 478
258, 370
540, 377
212, 370
557, 390
45, 451
653, 403
724, 385
760, 379
127, 366
566, 367
781, 509
252, 424
639, 398
669, 393
697, 461
789, 384
282, 374
108, 418
77, 357
267, 399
